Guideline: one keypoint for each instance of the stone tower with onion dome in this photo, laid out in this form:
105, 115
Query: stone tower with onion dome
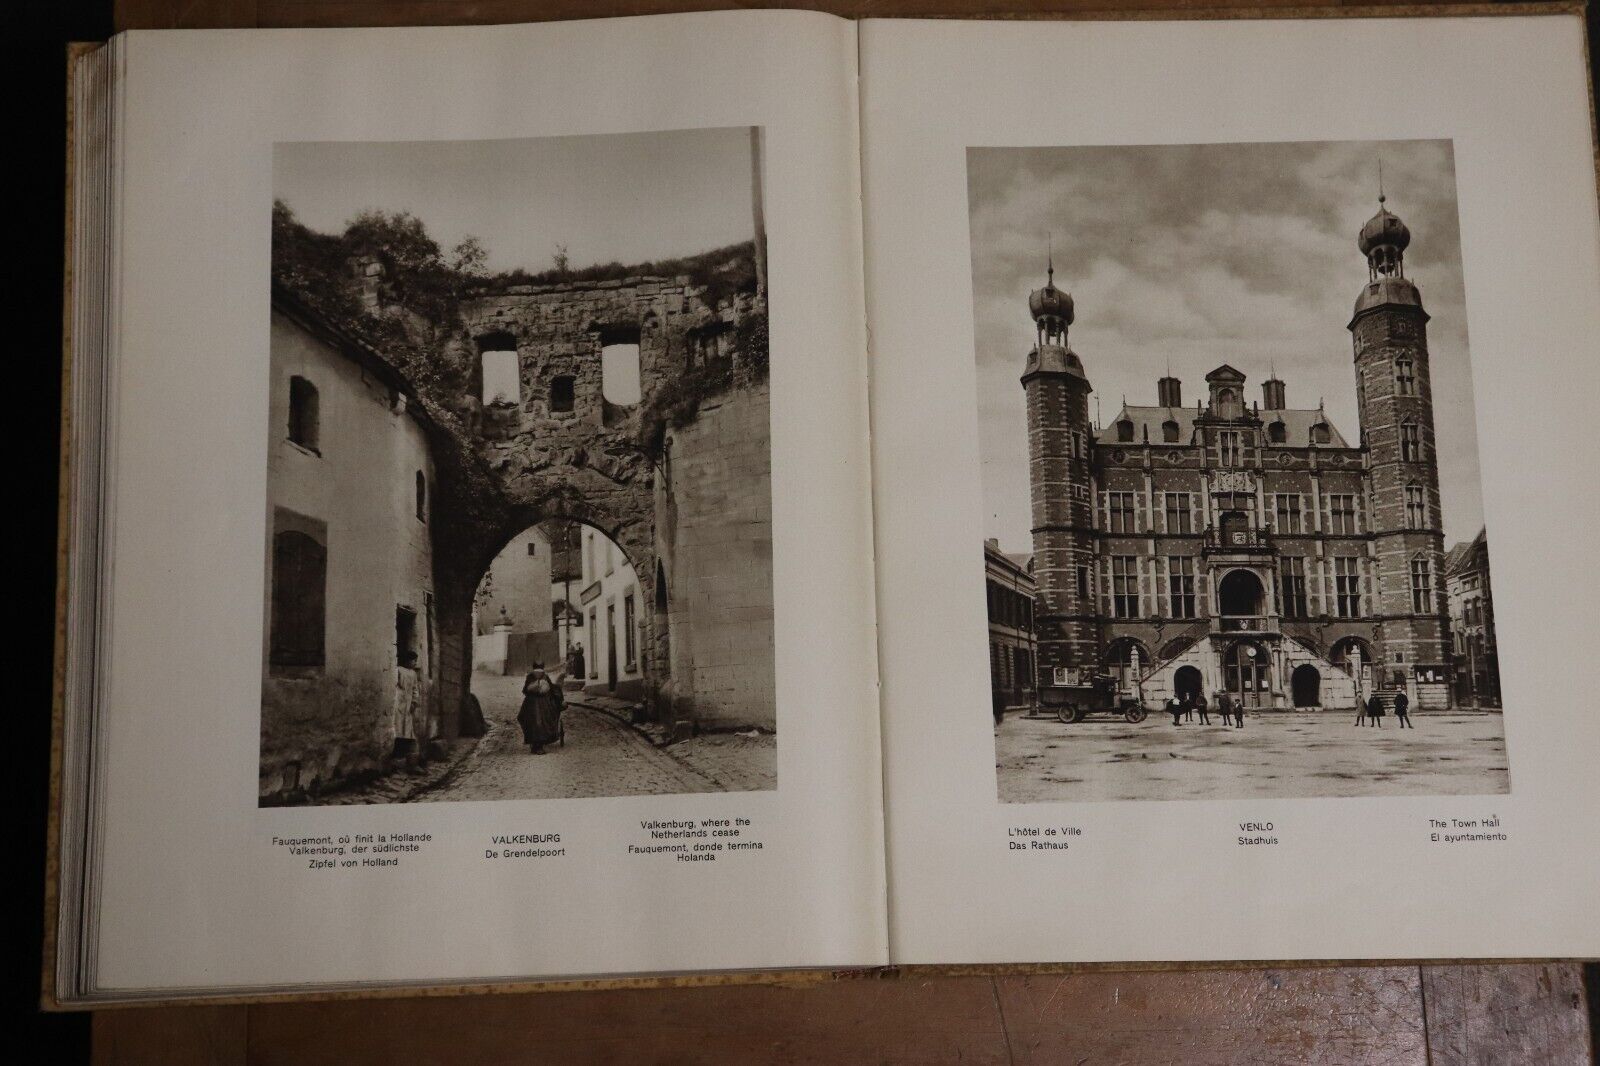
1059, 460
1394, 394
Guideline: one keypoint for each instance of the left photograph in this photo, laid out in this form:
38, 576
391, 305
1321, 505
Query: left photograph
518, 457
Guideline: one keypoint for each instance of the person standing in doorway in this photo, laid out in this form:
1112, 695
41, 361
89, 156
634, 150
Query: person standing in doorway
577, 664
404, 720
1402, 710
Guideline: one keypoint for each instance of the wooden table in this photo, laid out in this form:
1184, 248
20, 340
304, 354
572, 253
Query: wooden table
1435, 1015
1397, 1015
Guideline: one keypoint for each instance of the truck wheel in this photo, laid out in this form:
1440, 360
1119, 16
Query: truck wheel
1135, 714
1070, 713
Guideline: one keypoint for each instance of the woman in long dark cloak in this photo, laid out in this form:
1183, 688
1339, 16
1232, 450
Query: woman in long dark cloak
540, 715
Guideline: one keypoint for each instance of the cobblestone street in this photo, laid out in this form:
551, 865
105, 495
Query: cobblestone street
1288, 755
602, 757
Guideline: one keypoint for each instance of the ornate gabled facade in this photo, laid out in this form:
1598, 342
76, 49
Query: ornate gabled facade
1242, 544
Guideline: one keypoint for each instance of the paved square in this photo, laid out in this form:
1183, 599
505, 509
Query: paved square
1276, 754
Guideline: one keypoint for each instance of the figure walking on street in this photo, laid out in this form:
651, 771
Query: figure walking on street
1402, 710
540, 714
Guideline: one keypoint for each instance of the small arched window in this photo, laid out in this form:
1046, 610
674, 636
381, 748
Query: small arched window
304, 413
422, 497
1276, 433
562, 394
1320, 434
1125, 430
1169, 431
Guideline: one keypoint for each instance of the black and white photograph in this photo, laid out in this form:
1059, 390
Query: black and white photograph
518, 471
1233, 520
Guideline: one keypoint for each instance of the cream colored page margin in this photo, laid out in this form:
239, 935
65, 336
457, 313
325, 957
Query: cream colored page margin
194, 895
1352, 878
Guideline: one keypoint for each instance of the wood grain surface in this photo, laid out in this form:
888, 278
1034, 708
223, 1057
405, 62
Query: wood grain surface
1400, 1015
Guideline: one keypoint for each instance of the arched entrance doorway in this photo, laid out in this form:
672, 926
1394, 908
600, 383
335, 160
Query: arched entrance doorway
1306, 686
1186, 682
1247, 673
1241, 595
1354, 656
564, 595
1127, 659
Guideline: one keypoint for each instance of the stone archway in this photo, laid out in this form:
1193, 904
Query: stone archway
1305, 684
1187, 682
1247, 673
1241, 594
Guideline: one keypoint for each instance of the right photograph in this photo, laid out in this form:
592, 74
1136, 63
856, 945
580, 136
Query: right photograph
1234, 538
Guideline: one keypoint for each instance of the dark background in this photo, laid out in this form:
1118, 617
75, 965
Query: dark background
34, 276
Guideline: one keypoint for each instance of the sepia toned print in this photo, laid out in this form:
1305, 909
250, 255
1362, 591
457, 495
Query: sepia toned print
519, 471
1275, 583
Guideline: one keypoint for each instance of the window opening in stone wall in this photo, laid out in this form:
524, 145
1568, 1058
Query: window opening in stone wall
405, 632
563, 393
1169, 432
619, 366
299, 599
422, 497
304, 413
500, 384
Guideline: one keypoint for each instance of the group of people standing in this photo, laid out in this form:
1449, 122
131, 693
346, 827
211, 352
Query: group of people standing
1373, 711
1190, 704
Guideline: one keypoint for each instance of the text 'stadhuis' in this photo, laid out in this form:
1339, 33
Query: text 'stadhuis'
1245, 545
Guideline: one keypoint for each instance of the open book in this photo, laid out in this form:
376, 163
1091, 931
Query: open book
758, 491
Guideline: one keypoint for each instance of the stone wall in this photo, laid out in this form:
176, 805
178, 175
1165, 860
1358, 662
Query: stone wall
716, 551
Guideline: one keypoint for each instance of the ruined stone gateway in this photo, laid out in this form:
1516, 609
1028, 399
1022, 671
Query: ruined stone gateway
676, 472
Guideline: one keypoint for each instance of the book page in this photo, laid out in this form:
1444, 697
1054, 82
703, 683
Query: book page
492, 556
1239, 349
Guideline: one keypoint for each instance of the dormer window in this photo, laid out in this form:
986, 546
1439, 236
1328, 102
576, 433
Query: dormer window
1276, 433
1320, 433
1169, 431
1125, 430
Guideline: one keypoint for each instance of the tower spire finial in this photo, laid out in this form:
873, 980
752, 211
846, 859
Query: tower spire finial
1381, 197
1050, 257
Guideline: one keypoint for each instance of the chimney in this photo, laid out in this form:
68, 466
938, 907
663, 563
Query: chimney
1169, 392
1272, 394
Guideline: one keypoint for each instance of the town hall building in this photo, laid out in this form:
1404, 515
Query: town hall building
1239, 543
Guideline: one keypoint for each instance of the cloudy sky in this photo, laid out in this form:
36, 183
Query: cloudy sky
1198, 255
626, 197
